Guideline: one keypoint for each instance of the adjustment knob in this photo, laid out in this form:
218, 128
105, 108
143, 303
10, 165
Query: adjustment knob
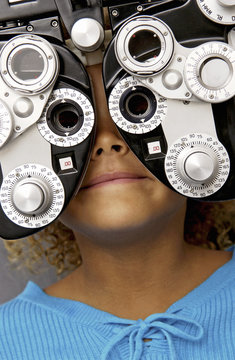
226, 2
87, 34
199, 166
31, 196
215, 73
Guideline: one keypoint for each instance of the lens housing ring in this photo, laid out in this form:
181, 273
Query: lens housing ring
76, 134
124, 121
41, 51
159, 30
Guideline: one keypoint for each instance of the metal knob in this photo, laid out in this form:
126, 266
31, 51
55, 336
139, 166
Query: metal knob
199, 166
87, 34
226, 2
31, 196
215, 73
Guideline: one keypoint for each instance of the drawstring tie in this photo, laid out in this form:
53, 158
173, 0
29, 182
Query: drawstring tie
149, 329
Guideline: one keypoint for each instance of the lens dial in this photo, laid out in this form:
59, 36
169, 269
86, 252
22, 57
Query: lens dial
219, 11
134, 108
28, 63
5, 124
144, 45
197, 165
32, 195
68, 118
210, 72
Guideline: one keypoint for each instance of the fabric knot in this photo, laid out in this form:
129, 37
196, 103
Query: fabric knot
154, 325
142, 324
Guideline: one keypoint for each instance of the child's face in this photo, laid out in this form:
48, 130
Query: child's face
134, 196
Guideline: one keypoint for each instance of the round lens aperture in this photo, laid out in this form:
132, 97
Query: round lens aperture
27, 64
144, 46
65, 118
137, 104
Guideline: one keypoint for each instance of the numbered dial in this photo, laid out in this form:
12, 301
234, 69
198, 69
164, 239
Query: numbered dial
210, 72
5, 124
32, 196
219, 11
134, 108
68, 118
197, 165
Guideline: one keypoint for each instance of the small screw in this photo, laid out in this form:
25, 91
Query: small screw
26, 220
17, 128
115, 13
179, 59
41, 97
57, 191
87, 113
135, 127
186, 102
187, 94
54, 23
124, 59
50, 57
4, 72
150, 80
29, 28
126, 85
139, 8
17, 174
225, 49
165, 33
6, 94
211, 96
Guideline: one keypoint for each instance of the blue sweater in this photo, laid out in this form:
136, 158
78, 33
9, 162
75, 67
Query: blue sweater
200, 326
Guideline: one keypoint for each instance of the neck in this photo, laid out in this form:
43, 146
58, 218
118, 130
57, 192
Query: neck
127, 267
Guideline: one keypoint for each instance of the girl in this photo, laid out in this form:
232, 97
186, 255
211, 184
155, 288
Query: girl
141, 291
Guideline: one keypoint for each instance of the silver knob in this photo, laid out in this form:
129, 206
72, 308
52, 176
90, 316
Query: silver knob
199, 166
31, 196
226, 2
215, 73
87, 34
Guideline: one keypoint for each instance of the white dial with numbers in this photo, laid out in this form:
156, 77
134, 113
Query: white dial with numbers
219, 11
68, 118
210, 72
134, 108
5, 124
197, 165
32, 196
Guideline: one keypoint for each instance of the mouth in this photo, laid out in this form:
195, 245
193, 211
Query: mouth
114, 178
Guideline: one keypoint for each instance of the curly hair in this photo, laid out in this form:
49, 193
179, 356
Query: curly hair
210, 225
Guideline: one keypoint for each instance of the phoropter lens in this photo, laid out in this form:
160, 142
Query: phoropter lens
144, 45
137, 104
65, 118
27, 64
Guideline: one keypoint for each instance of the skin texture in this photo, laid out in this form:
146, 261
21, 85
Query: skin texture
130, 232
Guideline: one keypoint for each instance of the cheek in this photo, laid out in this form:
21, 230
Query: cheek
119, 208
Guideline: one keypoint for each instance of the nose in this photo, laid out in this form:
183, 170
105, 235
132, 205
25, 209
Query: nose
108, 140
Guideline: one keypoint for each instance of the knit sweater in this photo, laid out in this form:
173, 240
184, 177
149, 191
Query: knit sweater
199, 326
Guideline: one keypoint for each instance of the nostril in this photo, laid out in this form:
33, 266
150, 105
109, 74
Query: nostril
116, 148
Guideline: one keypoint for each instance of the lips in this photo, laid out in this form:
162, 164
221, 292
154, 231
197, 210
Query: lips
117, 177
